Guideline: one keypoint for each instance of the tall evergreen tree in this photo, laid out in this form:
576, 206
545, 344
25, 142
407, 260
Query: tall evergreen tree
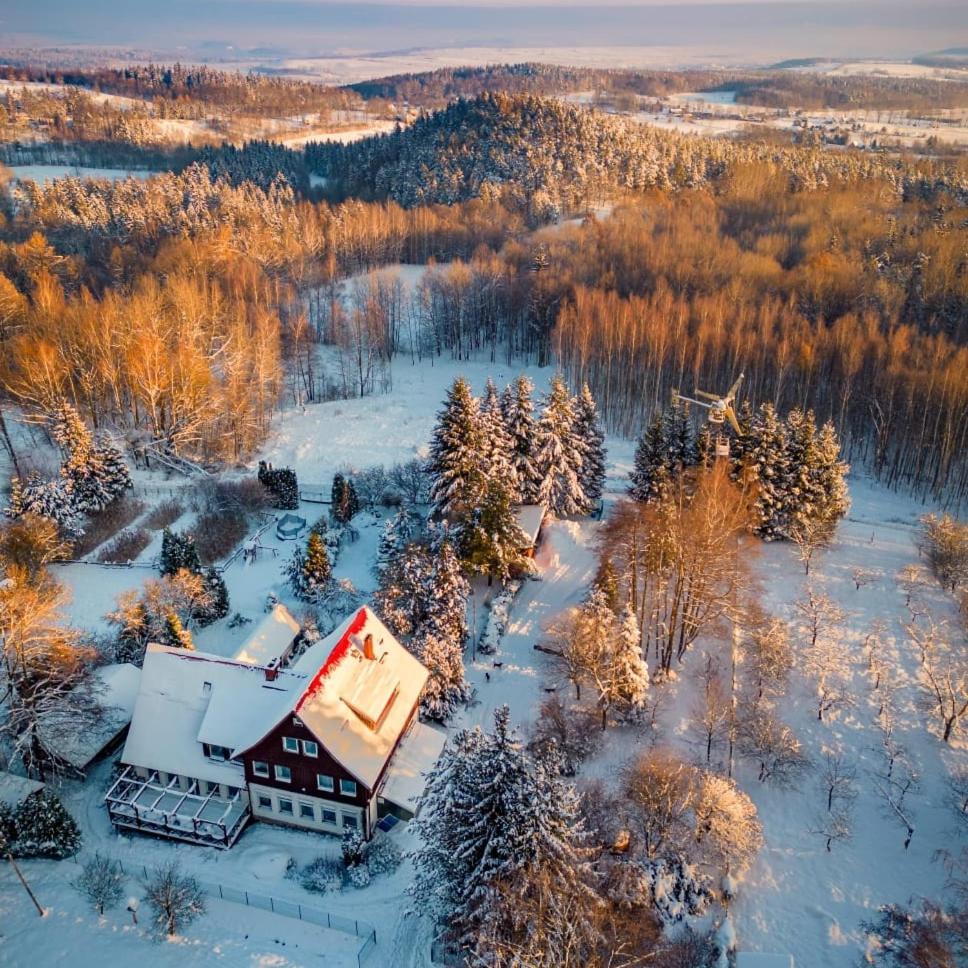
805, 497
218, 595
591, 440
447, 686
650, 471
47, 499
445, 613
456, 455
558, 455
309, 571
178, 551
767, 456
488, 811
491, 541
830, 475
499, 448
630, 674
518, 408
345, 502
175, 634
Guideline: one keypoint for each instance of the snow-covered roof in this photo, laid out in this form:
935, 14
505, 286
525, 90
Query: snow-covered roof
15, 789
270, 639
116, 688
415, 757
177, 689
356, 707
529, 518
338, 703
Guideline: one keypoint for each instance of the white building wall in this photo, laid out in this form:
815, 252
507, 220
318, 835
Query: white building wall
273, 810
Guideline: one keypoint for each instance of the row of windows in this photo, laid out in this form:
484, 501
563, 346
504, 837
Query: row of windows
309, 747
307, 811
283, 774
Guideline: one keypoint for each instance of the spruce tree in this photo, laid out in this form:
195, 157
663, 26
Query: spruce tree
398, 531
489, 809
650, 471
44, 828
447, 686
175, 634
630, 674
766, 456
591, 440
518, 409
558, 455
491, 542
679, 439
830, 475
805, 496
47, 499
345, 503
446, 591
405, 590
178, 551
456, 455
498, 444
218, 594
317, 571
606, 581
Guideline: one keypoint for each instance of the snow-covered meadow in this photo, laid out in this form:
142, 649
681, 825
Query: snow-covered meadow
797, 898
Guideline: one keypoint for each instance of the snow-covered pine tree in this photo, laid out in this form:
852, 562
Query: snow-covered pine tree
282, 485
95, 469
740, 444
44, 828
518, 408
445, 609
488, 809
47, 499
499, 448
491, 541
175, 634
766, 456
679, 438
630, 674
607, 582
397, 532
830, 475
345, 503
178, 551
805, 496
218, 596
650, 470
317, 571
405, 589
456, 455
447, 686
558, 455
591, 439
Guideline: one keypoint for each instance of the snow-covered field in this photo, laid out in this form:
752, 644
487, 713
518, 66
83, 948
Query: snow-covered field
42, 174
796, 898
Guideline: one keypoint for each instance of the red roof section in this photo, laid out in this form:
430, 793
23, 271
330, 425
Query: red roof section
335, 657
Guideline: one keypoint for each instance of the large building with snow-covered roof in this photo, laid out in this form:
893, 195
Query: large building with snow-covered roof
326, 743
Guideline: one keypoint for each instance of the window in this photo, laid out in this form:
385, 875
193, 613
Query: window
350, 821
283, 774
259, 768
265, 803
285, 806
329, 816
324, 782
310, 748
217, 752
347, 788
306, 810
290, 745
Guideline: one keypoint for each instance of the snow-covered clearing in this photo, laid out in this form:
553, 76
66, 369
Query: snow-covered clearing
42, 174
796, 898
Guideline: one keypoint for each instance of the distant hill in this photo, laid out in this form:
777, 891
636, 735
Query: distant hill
956, 57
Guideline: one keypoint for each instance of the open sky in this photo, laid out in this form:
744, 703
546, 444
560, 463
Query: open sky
756, 30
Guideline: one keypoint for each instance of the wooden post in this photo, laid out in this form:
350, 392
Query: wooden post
23, 881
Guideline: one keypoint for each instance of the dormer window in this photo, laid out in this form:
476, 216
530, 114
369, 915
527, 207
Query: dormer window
214, 752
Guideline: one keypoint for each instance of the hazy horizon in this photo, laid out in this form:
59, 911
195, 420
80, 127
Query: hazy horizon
760, 31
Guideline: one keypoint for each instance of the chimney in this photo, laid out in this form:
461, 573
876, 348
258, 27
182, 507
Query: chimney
368, 647
271, 670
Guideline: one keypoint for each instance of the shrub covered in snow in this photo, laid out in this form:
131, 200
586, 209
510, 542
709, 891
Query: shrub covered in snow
282, 485
40, 827
497, 618
322, 874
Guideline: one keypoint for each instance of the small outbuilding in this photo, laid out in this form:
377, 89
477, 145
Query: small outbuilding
530, 518
272, 640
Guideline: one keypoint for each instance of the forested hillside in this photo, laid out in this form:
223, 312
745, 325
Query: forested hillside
548, 156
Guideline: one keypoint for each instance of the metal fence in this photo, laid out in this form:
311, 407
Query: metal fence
275, 905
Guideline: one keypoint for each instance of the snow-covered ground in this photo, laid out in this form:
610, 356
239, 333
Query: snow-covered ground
797, 897
42, 174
